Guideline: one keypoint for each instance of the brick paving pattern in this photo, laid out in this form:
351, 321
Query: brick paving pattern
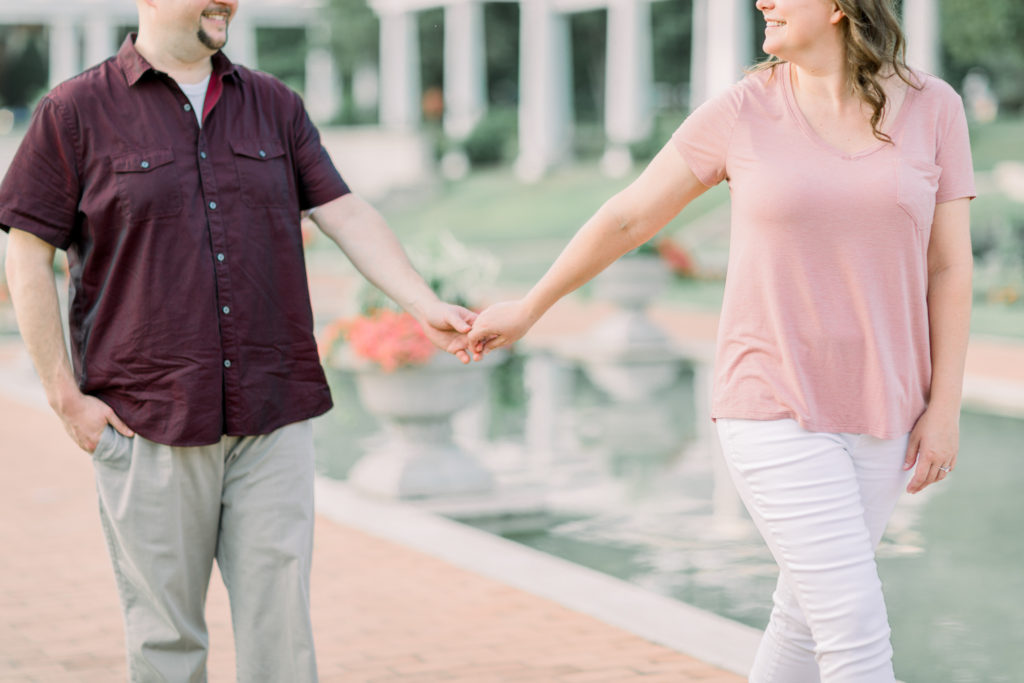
381, 612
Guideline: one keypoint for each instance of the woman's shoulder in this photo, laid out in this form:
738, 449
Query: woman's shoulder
762, 80
933, 89
758, 83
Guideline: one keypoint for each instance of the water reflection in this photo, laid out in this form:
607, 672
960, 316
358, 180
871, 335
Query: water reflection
631, 488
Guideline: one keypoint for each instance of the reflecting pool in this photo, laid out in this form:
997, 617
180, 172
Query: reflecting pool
633, 494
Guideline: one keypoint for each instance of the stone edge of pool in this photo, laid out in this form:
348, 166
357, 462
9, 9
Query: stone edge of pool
714, 639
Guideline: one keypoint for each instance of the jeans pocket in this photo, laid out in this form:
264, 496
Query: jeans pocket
113, 450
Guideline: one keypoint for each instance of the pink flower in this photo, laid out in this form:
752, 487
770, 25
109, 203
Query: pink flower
390, 339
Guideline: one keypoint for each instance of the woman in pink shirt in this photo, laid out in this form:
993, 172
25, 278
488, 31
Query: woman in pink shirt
844, 324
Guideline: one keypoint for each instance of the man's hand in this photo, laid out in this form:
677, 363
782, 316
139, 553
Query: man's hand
85, 417
447, 327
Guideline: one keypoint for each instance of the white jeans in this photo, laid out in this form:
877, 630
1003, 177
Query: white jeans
821, 501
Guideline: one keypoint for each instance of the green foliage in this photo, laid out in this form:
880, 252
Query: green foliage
665, 123
996, 141
494, 138
987, 34
23, 65
501, 38
588, 35
672, 24
431, 34
355, 34
354, 41
282, 52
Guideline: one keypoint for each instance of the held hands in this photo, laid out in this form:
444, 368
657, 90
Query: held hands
499, 325
933, 445
446, 326
463, 333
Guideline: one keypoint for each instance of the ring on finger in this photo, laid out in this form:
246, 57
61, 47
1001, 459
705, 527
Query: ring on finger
945, 468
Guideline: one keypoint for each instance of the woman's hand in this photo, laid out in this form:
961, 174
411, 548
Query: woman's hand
934, 443
498, 326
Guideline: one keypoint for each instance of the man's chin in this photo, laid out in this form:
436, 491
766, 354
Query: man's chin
210, 42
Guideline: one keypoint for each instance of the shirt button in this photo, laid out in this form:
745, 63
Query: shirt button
263, 154
213, 205
226, 310
202, 155
227, 364
188, 107
144, 164
220, 257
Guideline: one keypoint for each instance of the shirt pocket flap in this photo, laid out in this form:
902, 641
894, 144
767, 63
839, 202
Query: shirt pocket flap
141, 162
258, 149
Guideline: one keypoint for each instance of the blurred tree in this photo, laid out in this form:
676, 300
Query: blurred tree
588, 31
282, 52
501, 31
671, 35
987, 34
23, 66
431, 28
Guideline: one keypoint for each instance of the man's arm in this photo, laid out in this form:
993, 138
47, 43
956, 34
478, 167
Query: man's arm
34, 294
369, 243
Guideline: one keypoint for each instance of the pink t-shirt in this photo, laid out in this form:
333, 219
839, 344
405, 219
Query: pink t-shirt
825, 318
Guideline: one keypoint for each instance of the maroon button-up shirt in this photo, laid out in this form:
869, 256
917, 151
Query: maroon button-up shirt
190, 311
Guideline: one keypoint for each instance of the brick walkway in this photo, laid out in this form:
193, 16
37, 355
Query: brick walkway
381, 612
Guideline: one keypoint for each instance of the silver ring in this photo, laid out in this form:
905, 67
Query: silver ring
944, 469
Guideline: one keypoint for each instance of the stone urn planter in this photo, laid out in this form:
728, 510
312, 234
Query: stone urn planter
627, 355
415, 455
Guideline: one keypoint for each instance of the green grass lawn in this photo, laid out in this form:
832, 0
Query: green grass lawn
492, 207
996, 141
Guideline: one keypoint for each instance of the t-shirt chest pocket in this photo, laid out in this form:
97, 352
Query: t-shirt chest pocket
147, 184
917, 182
262, 172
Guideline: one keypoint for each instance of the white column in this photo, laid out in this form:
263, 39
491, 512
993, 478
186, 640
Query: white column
545, 89
63, 50
699, 54
322, 93
100, 41
399, 70
465, 74
921, 25
726, 49
241, 45
628, 82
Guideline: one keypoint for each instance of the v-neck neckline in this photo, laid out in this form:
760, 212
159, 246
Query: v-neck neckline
808, 129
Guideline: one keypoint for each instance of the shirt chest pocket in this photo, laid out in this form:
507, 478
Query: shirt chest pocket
147, 184
262, 172
917, 183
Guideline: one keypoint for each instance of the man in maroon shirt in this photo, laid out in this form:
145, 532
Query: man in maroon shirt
174, 180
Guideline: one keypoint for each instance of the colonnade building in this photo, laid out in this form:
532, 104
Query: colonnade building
84, 32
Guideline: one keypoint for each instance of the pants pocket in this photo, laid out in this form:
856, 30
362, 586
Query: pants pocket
113, 450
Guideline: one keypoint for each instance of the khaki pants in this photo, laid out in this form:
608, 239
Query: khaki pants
167, 512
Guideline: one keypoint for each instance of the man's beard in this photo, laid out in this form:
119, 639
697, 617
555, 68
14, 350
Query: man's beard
209, 42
